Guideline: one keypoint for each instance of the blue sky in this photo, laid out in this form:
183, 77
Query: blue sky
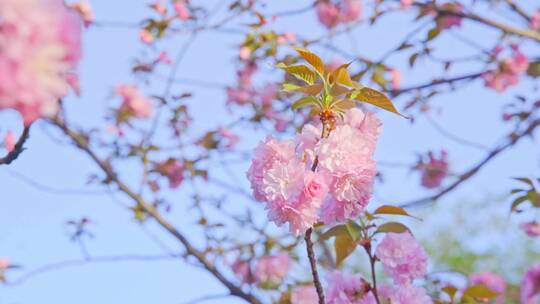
32, 221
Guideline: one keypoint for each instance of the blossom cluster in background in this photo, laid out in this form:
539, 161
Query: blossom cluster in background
332, 13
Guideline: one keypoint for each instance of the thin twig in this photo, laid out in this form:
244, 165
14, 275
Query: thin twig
313, 264
18, 149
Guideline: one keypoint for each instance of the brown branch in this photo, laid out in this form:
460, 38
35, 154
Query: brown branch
514, 138
436, 82
313, 264
372, 261
17, 150
527, 33
516, 8
82, 143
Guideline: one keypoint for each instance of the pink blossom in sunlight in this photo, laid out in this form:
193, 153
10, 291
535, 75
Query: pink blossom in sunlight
146, 36
345, 288
492, 281
530, 286
134, 103
405, 4
4, 263
449, 21
245, 53
304, 295
328, 13
159, 7
352, 10
242, 270
181, 10
85, 10
41, 44
403, 257
164, 58
271, 270
532, 229
9, 141
173, 170
73, 81
508, 72
395, 79
286, 37
535, 21
434, 170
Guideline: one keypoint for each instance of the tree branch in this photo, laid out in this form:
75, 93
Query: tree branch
514, 138
82, 143
313, 264
17, 150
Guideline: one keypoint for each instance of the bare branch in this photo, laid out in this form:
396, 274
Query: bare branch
17, 150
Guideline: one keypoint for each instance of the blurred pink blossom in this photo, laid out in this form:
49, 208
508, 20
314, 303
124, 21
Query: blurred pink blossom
492, 281
304, 295
508, 71
445, 21
532, 229
405, 4
174, 171
535, 21
41, 44
242, 270
403, 257
328, 13
530, 286
434, 170
345, 288
395, 79
85, 10
134, 103
9, 141
271, 270
181, 10
146, 36
4, 263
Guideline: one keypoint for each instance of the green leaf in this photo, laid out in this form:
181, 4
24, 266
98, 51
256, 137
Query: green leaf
514, 191
392, 227
338, 90
376, 98
433, 33
479, 291
394, 210
304, 102
309, 89
525, 180
534, 198
301, 72
314, 60
412, 59
353, 229
334, 231
341, 75
344, 245
518, 201
450, 291
534, 69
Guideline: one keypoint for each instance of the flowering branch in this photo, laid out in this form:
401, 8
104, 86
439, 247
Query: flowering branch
81, 141
17, 150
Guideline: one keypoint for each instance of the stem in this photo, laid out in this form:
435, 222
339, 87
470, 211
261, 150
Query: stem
17, 150
313, 264
372, 261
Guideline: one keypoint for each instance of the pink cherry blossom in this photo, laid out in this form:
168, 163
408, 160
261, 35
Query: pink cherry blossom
181, 10
395, 78
41, 44
271, 270
352, 10
146, 36
231, 138
286, 37
173, 170
434, 170
508, 71
403, 257
530, 285
9, 141
4, 263
345, 288
268, 153
304, 295
159, 7
405, 294
492, 281
328, 13
134, 102
73, 81
164, 58
245, 53
532, 229
242, 270
535, 21
449, 21
405, 4
85, 10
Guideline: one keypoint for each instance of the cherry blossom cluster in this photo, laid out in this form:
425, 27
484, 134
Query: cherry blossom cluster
269, 271
311, 178
433, 169
41, 47
508, 71
530, 288
180, 11
332, 13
